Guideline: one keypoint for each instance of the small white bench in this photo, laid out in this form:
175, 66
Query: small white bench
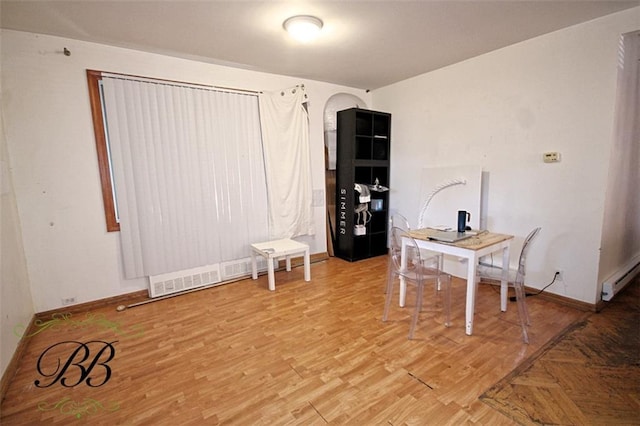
278, 249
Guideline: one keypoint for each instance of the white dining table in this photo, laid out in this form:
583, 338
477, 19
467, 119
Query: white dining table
472, 249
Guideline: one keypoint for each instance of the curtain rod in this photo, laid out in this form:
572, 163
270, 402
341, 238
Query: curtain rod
176, 82
255, 92
293, 89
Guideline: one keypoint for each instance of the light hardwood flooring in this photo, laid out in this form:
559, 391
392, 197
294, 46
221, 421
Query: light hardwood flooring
309, 353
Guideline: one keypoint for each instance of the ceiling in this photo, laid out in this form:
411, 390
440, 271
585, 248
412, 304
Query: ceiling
364, 44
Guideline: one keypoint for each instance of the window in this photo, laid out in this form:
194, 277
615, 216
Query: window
182, 168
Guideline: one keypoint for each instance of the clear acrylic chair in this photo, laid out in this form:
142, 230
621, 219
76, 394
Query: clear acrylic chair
416, 272
516, 280
400, 221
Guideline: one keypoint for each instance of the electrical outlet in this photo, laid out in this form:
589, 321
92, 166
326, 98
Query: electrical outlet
68, 301
559, 275
551, 157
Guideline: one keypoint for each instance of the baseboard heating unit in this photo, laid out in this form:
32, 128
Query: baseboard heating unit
188, 279
617, 281
241, 267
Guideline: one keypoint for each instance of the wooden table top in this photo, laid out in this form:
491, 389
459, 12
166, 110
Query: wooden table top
476, 242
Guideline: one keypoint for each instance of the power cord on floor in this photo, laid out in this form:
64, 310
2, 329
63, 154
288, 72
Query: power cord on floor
513, 298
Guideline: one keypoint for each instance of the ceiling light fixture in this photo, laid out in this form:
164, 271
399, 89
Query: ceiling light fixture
303, 28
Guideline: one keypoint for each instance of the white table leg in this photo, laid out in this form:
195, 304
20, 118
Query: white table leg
504, 282
307, 266
288, 262
271, 274
471, 293
254, 266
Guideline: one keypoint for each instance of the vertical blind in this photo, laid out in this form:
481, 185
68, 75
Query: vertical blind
188, 174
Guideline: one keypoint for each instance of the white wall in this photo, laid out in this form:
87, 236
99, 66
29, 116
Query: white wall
503, 110
16, 306
52, 148
621, 224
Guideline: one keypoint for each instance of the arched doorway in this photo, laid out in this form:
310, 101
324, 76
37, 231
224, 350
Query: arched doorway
335, 103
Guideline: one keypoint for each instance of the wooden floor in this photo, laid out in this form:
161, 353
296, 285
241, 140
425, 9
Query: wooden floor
589, 375
309, 353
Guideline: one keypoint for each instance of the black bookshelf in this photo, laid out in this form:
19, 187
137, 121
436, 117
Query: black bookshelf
363, 147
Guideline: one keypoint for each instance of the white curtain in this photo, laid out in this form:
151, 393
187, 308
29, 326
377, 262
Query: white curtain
188, 173
285, 135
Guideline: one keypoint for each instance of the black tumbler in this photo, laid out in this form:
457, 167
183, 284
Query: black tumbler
463, 217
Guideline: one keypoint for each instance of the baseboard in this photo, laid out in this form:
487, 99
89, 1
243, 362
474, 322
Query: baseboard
556, 298
562, 300
122, 299
12, 367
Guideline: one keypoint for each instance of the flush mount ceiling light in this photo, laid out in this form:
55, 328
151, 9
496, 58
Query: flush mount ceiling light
303, 28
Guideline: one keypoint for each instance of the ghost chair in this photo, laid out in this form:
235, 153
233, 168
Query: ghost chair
401, 222
516, 280
414, 270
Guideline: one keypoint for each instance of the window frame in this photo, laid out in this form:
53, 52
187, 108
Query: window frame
102, 150
94, 78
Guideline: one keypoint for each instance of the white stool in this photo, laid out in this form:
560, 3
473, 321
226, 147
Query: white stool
273, 250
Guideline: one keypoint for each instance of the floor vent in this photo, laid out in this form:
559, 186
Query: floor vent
241, 267
175, 282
